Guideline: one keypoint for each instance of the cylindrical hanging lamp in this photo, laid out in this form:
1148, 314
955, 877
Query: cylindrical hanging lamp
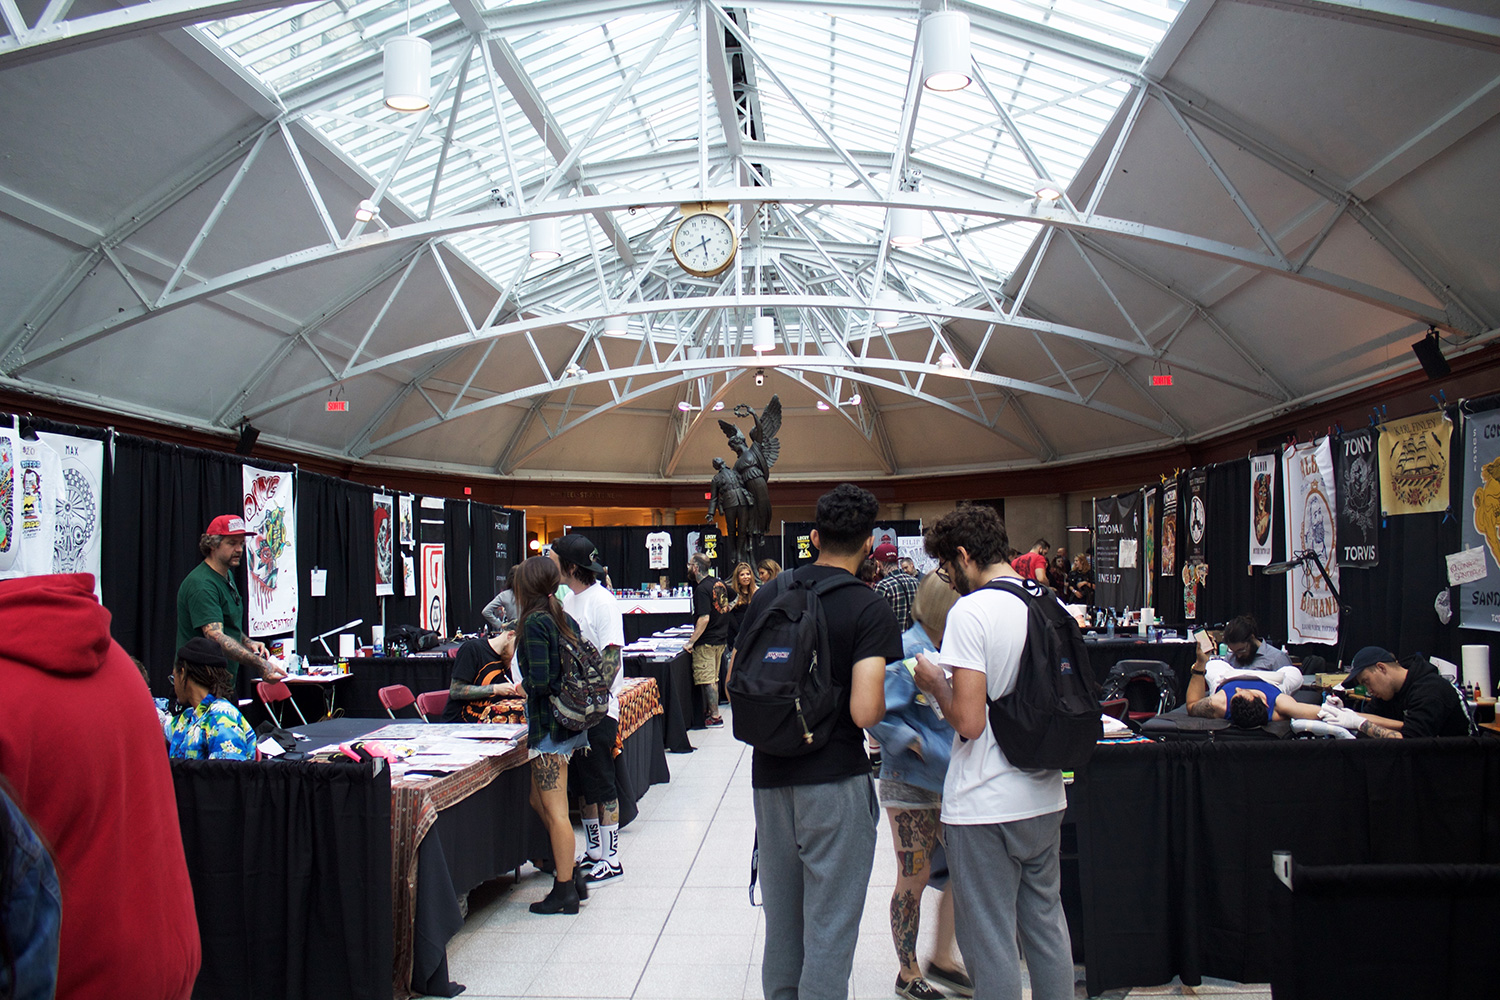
408, 73
905, 226
886, 318
616, 324
763, 334
945, 50
546, 239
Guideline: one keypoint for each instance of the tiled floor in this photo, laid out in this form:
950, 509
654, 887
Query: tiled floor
679, 924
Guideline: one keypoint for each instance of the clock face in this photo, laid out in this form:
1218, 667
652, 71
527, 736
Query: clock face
704, 244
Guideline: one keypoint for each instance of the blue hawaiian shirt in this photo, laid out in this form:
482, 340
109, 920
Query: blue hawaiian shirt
215, 730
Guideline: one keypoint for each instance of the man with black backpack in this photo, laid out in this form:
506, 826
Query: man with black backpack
808, 674
1002, 823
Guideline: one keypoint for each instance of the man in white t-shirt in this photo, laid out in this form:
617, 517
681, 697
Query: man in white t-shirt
1002, 824
601, 623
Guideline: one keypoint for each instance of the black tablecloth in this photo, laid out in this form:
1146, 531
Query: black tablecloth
1105, 653
1175, 840
681, 704
290, 864
649, 624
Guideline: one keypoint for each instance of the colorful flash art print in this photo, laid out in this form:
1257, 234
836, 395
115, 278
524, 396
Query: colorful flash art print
1414, 464
271, 554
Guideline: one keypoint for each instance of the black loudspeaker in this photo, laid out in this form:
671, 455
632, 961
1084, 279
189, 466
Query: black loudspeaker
248, 436
1430, 353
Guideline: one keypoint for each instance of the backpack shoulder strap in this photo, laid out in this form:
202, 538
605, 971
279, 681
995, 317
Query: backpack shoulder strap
828, 586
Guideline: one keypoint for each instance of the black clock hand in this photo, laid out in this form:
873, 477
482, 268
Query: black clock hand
703, 244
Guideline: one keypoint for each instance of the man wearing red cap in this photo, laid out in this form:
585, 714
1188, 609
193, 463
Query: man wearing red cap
209, 603
898, 588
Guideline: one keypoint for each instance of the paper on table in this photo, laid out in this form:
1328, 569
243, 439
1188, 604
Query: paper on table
270, 748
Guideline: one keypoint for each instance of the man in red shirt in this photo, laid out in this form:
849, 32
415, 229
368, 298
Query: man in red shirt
1033, 565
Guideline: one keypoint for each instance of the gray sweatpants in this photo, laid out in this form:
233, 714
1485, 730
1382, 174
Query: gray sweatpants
1007, 878
817, 845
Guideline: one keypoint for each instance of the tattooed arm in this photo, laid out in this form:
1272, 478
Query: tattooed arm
1370, 728
239, 652
1212, 707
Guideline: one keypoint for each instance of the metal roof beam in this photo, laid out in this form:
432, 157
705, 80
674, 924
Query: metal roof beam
56, 37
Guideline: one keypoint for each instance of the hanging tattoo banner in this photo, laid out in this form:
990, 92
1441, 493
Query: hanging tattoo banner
1194, 563
430, 566
1117, 566
9, 476
1357, 479
1479, 601
35, 478
1312, 612
79, 506
385, 549
408, 537
1262, 490
271, 555
1148, 546
1169, 529
1414, 464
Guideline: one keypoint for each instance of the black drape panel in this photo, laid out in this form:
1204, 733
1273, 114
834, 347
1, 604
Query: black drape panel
291, 871
335, 532
1168, 588
1181, 835
463, 615
623, 549
494, 534
157, 501
791, 530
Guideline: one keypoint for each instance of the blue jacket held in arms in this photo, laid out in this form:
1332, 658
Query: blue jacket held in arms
915, 743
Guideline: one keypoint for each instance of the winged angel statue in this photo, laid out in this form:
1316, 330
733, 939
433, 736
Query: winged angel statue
752, 467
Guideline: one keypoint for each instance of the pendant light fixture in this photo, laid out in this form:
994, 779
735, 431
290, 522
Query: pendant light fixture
616, 324
408, 70
763, 334
886, 318
905, 226
945, 51
546, 239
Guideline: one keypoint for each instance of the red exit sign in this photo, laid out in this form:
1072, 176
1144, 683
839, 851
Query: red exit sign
338, 406
1161, 380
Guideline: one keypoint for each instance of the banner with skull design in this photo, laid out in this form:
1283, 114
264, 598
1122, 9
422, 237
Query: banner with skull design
79, 504
1358, 481
1312, 610
385, 547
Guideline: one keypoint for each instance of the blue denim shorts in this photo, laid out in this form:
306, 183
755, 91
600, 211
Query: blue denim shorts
565, 747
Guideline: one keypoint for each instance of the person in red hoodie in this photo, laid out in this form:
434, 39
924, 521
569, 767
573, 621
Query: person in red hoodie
105, 802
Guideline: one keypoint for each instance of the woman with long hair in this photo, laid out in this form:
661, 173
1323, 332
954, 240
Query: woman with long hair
744, 585
543, 626
915, 746
209, 725
767, 570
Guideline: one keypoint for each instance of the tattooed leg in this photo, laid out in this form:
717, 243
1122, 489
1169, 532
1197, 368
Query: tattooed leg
549, 783
914, 833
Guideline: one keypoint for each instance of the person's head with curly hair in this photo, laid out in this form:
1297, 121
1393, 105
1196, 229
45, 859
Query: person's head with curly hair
973, 531
845, 518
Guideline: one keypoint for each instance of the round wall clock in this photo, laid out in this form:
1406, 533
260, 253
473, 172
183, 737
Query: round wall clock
704, 243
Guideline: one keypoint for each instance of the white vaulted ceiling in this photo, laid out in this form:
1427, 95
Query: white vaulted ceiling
1268, 200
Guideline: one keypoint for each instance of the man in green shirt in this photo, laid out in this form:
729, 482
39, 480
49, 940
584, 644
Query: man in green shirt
209, 604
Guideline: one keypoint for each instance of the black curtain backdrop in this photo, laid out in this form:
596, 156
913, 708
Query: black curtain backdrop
791, 530
336, 532
290, 864
622, 548
157, 501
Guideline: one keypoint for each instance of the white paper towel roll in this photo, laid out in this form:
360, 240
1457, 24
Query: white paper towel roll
1477, 668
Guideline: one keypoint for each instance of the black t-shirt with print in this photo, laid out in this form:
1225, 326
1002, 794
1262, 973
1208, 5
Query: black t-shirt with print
717, 632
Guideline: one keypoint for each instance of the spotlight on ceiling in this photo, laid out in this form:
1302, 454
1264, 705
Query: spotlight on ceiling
945, 51
822, 405
855, 399
1429, 351
763, 334
616, 324
685, 406
366, 211
905, 226
1046, 192
886, 318
947, 361
760, 376
546, 239
719, 405
408, 73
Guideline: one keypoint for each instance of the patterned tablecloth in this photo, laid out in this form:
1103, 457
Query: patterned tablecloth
415, 806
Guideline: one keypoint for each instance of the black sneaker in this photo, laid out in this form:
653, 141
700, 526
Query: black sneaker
917, 988
951, 979
604, 871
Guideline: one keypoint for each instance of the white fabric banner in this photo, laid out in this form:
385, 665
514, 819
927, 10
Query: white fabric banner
31, 472
1262, 490
79, 507
271, 555
1312, 612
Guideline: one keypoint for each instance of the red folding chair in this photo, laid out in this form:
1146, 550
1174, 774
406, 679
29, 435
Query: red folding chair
274, 691
432, 704
396, 696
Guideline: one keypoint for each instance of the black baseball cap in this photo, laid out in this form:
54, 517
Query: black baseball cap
579, 551
1368, 657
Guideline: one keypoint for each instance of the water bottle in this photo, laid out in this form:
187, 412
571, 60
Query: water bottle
1109, 623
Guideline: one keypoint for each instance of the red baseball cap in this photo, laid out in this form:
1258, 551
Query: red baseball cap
886, 553
227, 525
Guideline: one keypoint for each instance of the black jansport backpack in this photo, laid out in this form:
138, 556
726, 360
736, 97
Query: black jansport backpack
1051, 719
785, 701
